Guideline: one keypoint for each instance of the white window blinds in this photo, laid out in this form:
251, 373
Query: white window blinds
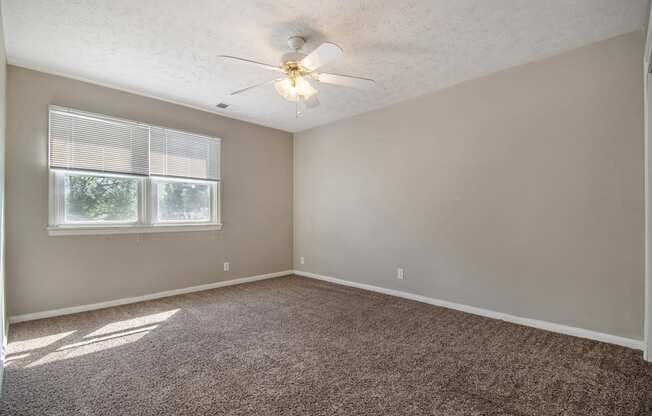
184, 155
91, 142
84, 141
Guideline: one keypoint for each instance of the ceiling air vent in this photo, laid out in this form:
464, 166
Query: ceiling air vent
222, 105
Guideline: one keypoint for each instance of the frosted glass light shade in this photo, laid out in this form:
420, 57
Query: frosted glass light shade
291, 91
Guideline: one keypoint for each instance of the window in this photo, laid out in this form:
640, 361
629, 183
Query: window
109, 175
182, 201
93, 199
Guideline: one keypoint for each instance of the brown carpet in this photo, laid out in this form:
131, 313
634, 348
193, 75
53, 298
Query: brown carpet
294, 346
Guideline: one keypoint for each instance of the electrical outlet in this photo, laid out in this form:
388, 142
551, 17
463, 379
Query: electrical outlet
302, 260
227, 266
400, 274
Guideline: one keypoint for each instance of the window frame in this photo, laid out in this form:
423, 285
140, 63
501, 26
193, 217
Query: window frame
147, 206
56, 194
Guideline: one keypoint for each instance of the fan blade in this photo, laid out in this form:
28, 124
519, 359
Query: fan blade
325, 53
253, 86
312, 102
346, 81
253, 63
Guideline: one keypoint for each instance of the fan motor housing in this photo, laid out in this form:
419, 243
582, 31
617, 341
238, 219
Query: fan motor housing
292, 57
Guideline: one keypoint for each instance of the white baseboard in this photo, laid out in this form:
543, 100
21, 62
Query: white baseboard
548, 326
152, 296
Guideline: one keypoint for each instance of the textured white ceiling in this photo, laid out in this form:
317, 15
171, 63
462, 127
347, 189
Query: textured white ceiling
168, 48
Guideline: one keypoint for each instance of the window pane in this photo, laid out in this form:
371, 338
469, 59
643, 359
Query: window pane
91, 198
184, 201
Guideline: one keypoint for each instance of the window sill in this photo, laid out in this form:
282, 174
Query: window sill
130, 229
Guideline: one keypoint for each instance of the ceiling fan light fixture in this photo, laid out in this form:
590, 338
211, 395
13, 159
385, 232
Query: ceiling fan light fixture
299, 70
293, 89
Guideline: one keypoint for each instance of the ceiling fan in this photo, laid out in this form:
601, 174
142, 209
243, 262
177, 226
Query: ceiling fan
299, 70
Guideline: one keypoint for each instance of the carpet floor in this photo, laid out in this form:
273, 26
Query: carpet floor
295, 346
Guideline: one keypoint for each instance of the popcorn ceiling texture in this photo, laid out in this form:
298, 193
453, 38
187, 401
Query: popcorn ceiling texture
294, 346
168, 48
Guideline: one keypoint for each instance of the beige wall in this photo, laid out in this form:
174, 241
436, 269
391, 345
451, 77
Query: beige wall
3, 94
46, 273
521, 192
